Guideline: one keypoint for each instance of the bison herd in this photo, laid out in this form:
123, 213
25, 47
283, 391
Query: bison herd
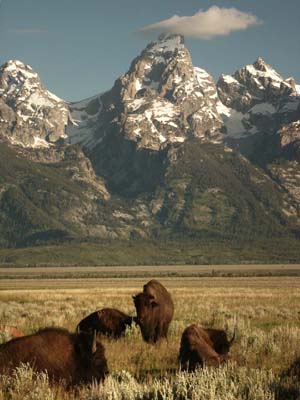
78, 358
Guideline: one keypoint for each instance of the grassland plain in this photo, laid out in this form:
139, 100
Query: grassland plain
265, 309
179, 251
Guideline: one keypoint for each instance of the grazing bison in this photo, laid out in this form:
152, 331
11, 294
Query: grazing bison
218, 340
69, 357
155, 309
11, 331
108, 321
195, 350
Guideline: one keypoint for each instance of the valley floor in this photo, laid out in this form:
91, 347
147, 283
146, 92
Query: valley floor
266, 311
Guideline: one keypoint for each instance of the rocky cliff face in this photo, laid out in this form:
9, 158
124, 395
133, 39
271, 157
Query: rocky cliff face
290, 138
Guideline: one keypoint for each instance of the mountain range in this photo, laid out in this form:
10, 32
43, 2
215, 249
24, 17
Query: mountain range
167, 155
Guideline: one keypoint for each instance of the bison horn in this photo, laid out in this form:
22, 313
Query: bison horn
78, 329
233, 337
94, 345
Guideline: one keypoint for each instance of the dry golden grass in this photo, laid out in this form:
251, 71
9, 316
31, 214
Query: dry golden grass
265, 310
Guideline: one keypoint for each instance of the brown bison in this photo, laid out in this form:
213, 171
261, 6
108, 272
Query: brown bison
69, 357
11, 331
218, 340
155, 309
108, 321
196, 349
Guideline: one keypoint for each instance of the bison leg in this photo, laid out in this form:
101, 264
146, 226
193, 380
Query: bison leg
190, 360
156, 335
166, 329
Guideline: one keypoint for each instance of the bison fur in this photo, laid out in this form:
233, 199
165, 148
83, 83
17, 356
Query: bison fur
155, 309
108, 321
68, 357
196, 351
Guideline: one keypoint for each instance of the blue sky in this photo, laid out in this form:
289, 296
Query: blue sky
80, 47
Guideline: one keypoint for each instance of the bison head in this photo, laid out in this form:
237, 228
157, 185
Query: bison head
92, 356
222, 346
145, 305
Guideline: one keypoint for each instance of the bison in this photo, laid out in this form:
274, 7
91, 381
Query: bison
11, 331
196, 349
109, 321
155, 309
68, 357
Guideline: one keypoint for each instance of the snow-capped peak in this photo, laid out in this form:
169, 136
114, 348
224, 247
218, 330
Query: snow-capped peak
166, 43
40, 115
14, 75
165, 97
253, 84
262, 71
15, 66
261, 65
256, 96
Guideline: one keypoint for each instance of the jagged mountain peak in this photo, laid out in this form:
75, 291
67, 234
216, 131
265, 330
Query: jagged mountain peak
163, 98
258, 103
15, 66
165, 94
258, 69
166, 43
17, 79
152, 68
262, 72
30, 115
20, 80
254, 84
260, 64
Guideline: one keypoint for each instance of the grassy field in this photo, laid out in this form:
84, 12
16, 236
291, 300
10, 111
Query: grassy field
265, 309
146, 252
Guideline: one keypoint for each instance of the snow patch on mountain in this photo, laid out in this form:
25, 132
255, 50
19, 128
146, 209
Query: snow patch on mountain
83, 121
236, 123
263, 108
166, 43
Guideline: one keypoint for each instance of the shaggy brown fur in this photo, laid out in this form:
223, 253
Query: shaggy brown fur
155, 309
217, 339
109, 321
195, 351
69, 357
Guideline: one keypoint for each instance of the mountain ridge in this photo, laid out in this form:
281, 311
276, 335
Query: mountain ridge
169, 61
165, 153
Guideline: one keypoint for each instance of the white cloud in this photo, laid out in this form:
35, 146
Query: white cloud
215, 21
